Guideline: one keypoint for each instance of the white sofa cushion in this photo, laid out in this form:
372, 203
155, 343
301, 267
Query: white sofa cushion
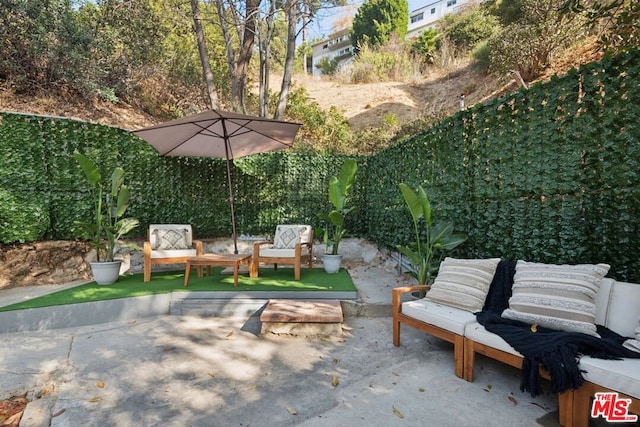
623, 308
556, 296
449, 318
463, 283
602, 300
477, 333
622, 376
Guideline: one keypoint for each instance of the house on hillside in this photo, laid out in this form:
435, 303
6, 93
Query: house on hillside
426, 16
337, 47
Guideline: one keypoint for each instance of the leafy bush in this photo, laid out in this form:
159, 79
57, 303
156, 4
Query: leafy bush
469, 27
22, 219
390, 62
323, 131
481, 53
528, 44
425, 44
377, 20
328, 66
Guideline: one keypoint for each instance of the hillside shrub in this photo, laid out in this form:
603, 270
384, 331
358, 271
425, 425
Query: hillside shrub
390, 62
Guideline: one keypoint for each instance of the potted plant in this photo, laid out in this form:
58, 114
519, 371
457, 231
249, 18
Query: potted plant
432, 243
334, 230
108, 226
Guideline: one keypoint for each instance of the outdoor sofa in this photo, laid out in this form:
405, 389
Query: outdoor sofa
452, 318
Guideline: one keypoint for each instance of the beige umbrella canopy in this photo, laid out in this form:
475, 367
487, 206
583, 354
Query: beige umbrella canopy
220, 134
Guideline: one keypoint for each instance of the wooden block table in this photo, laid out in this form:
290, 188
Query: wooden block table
217, 260
302, 317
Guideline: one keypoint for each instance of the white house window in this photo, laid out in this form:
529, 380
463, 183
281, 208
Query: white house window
433, 10
451, 3
418, 17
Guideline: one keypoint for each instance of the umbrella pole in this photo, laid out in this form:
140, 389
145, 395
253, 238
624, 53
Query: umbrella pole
233, 213
227, 150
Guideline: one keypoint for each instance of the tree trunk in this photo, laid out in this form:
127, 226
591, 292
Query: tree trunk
265, 59
204, 57
228, 42
292, 17
246, 50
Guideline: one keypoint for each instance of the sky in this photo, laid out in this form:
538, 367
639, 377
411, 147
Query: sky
324, 21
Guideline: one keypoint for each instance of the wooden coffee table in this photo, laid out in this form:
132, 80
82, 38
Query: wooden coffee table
217, 260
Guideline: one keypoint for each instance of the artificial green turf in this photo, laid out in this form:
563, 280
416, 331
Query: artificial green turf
164, 282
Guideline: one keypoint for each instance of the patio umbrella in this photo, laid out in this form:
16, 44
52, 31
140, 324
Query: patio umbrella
220, 134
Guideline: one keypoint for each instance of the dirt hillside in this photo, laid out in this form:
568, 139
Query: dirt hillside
364, 105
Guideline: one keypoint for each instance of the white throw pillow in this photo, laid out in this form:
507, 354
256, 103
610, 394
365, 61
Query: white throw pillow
287, 237
463, 283
170, 239
556, 296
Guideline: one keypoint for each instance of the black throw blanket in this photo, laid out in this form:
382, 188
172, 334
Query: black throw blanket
558, 352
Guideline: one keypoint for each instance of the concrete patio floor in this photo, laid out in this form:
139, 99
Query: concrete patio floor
219, 371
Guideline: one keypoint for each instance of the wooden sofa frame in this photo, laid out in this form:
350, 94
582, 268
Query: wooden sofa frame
582, 403
464, 349
399, 317
566, 407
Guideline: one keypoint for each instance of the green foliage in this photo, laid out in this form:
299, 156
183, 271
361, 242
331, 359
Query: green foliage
44, 44
339, 195
322, 131
23, 218
432, 242
481, 53
110, 202
507, 11
469, 27
425, 44
389, 62
376, 20
328, 66
620, 19
142, 52
548, 174
528, 44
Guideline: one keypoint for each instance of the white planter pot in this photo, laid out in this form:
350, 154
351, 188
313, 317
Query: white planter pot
331, 263
106, 273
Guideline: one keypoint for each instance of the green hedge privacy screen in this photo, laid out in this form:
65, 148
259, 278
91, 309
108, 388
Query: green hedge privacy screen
547, 174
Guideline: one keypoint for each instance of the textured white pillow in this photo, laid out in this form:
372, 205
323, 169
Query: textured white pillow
463, 283
170, 239
287, 237
556, 296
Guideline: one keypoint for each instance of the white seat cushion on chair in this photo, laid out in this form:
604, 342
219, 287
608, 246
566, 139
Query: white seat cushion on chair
449, 318
282, 253
174, 253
